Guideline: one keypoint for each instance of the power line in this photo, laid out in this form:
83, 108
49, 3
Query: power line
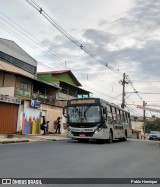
57, 26
53, 69
36, 48
131, 109
35, 5
32, 37
150, 92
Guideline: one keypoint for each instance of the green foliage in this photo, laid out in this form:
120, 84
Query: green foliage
152, 126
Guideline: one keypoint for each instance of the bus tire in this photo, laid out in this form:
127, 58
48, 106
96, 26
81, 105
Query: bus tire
110, 140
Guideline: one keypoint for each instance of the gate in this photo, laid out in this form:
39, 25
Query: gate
8, 118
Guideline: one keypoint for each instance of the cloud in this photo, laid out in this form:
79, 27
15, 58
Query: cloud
129, 43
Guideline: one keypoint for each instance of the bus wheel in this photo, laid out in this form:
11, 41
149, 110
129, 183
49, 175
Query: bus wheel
110, 136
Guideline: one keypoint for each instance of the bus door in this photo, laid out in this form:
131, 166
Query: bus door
116, 123
105, 127
110, 121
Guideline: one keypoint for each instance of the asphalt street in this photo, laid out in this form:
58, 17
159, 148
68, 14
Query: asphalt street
61, 159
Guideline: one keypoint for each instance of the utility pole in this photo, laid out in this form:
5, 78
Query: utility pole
144, 117
123, 92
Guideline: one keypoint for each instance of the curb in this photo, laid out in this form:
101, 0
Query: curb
14, 141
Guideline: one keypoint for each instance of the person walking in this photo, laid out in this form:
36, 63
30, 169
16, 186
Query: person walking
58, 128
47, 127
43, 125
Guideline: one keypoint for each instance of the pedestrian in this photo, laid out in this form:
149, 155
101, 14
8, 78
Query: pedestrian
58, 126
47, 127
43, 125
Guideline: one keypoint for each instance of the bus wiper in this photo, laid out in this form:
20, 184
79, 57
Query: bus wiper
86, 111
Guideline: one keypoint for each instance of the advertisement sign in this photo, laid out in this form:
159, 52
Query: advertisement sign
35, 104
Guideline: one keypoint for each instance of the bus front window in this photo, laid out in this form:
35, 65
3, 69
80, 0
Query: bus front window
84, 114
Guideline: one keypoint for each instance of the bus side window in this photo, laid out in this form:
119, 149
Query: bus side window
126, 115
123, 116
109, 114
118, 115
114, 113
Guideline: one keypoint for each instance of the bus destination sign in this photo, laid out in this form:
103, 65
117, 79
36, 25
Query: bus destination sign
83, 101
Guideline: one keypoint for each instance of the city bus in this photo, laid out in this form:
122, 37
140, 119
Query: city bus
94, 118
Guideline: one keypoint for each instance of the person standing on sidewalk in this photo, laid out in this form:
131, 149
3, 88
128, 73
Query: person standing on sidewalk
43, 124
58, 128
47, 127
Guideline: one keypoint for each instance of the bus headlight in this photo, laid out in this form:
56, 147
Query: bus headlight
97, 130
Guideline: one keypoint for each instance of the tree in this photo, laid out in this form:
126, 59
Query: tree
152, 125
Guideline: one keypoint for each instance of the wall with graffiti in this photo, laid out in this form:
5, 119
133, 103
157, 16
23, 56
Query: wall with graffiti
31, 120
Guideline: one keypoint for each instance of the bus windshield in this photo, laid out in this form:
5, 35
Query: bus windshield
84, 114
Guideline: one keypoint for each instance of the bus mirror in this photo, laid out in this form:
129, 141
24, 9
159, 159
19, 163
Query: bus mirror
65, 111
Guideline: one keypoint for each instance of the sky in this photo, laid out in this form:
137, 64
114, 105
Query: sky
124, 34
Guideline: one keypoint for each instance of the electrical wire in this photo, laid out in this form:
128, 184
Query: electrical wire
36, 48
36, 6
42, 12
54, 69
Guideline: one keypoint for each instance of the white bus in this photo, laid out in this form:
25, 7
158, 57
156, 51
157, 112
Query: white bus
94, 118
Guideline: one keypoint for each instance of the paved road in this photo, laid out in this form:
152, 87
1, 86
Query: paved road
53, 159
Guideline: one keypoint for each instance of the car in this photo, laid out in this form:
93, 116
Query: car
154, 135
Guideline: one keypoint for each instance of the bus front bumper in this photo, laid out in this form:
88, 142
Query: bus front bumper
88, 135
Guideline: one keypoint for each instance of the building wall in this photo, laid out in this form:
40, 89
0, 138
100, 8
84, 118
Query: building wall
11, 48
14, 69
30, 118
58, 77
62, 96
1, 78
7, 91
47, 77
9, 80
7, 83
24, 80
64, 77
136, 125
52, 113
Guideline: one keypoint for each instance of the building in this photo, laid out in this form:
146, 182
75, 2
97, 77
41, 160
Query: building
23, 98
137, 124
70, 88
26, 96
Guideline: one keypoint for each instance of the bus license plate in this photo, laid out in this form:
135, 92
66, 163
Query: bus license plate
82, 135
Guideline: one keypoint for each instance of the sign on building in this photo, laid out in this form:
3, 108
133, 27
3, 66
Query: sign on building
10, 99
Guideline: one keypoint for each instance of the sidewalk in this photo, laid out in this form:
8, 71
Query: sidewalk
15, 138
